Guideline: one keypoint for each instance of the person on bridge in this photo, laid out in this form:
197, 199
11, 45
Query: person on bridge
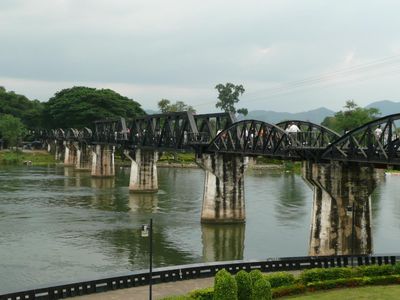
293, 128
378, 132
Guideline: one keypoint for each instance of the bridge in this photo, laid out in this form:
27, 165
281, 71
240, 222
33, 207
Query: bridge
341, 169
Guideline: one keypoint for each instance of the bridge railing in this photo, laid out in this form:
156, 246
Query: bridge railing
193, 271
309, 139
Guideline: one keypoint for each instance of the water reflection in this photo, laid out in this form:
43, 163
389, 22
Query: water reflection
145, 202
222, 242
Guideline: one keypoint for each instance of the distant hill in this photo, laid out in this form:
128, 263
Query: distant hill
386, 107
273, 117
151, 111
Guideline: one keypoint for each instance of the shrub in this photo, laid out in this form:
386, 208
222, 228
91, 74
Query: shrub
280, 279
289, 290
396, 268
261, 290
255, 275
318, 274
243, 282
374, 270
225, 287
202, 294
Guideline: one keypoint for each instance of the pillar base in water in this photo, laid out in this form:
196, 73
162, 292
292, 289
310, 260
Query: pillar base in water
223, 198
143, 177
340, 188
103, 161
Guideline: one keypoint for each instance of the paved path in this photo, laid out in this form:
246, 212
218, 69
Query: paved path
160, 290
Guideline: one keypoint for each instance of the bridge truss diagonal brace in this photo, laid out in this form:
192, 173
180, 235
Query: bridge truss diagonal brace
341, 213
143, 176
223, 197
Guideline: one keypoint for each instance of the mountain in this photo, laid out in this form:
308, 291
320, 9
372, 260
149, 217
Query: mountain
273, 117
386, 107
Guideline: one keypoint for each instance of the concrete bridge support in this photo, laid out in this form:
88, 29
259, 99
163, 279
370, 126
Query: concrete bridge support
341, 214
59, 150
223, 198
143, 178
103, 161
70, 156
84, 157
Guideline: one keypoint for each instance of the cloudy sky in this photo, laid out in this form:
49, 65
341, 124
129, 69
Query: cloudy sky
289, 55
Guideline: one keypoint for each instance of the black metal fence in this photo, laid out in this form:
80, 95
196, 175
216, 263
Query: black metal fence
193, 271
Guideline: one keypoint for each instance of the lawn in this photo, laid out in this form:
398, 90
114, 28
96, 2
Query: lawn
363, 293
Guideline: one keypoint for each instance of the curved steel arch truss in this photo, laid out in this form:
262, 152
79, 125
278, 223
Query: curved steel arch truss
369, 144
252, 137
310, 135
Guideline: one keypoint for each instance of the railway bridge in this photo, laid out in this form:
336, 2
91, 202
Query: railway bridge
342, 170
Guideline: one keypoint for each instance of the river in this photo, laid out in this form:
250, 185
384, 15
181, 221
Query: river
62, 225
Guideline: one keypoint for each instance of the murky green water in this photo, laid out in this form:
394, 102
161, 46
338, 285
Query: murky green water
59, 225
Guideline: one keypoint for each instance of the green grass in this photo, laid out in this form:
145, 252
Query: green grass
19, 157
364, 293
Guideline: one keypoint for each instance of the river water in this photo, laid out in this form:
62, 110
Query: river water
62, 225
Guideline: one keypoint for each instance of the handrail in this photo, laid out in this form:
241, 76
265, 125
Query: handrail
193, 271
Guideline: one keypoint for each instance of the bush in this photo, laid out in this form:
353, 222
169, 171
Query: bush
317, 274
202, 294
255, 275
280, 279
243, 282
289, 290
374, 270
396, 268
225, 287
261, 290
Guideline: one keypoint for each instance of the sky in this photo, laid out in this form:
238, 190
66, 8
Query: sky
289, 55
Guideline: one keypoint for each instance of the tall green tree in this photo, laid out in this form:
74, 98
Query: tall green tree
228, 96
30, 112
79, 107
166, 106
352, 117
11, 130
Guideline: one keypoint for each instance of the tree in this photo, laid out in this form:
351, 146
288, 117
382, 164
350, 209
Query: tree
30, 112
165, 106
351, 118
79, 107
11, 129
228, 96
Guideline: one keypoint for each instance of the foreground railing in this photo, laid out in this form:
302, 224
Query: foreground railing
184, 272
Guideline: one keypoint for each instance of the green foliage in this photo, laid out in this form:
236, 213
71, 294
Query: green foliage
228, 96
280, 279
243, 282
165, 106
18, 157
28, 111
11, 129
80, 106
294, 289
321, 274
225, 287
396, 268
351, 118
254, 276
179, 298
261, 290
374, 270
202, 294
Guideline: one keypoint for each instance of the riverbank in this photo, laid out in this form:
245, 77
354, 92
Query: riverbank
27, 157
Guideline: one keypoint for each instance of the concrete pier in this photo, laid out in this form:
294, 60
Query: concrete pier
143, 177
59, 150
70, 156
223, 198
84, 157
341, 214
103, 161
